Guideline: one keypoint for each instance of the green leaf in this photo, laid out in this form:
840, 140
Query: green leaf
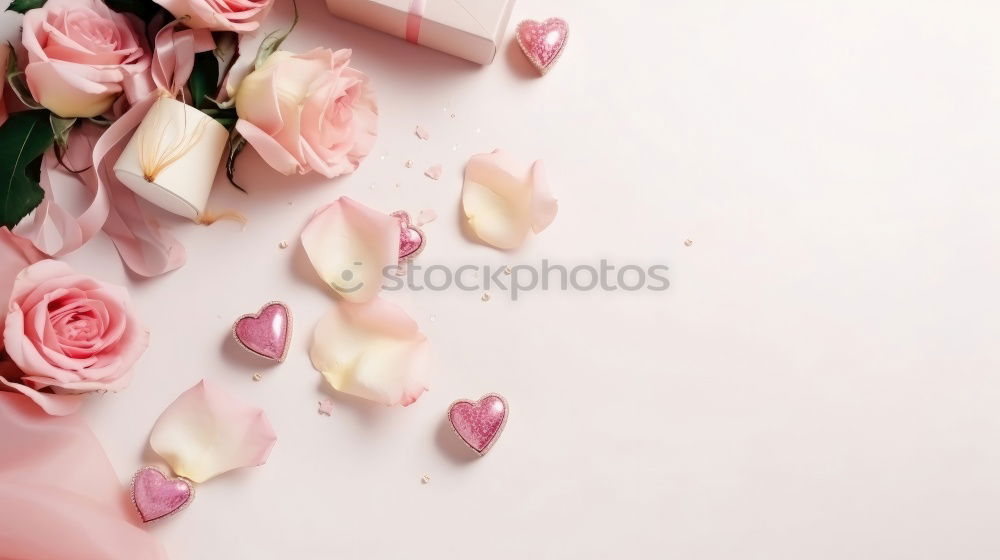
226, 117
21, 6
236, 145
204, 78
274, 40
60, 129
145, 9
23, 139
17, 82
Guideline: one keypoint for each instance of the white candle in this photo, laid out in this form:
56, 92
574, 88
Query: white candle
173, 157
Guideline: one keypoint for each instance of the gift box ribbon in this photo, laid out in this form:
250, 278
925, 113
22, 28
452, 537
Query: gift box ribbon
414, 19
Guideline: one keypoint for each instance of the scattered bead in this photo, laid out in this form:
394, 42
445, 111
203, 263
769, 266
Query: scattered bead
486, 296
508, 270
257, 377
409, 163
453, 115
283, 245
688, 242
425, 479
434, 318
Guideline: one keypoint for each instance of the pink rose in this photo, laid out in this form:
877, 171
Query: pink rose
308, 112
68, 334
81, 56
219, 15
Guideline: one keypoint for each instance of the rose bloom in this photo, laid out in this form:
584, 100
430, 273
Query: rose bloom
81, 56
68, 334
219, 15
308, 112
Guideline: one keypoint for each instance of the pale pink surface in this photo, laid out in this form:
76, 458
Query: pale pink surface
308, 112
265, 333
81, 56
479, 423
816, 368
543, 42
206, 432
220, 15
69, 334
61, 498
157, 496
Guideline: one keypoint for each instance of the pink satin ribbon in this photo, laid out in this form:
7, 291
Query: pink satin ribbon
144, 247
413, 20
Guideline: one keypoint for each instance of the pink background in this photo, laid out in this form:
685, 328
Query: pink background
818, 382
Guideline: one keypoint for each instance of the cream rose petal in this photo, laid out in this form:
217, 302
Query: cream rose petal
372, 350
350, 245
206, 432
503, 202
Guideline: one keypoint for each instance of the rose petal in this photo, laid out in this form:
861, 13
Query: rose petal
51, 403
350, 245
207, 432
426, 216
373, 350
503, 201
422, 133
434, 171
15, 254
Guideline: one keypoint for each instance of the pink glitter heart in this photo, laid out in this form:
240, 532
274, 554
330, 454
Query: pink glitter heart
479, 423
267, 332
543, 42
411, 239
156, 496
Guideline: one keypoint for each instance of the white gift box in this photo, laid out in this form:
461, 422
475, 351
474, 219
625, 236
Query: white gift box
173, 157
470, 29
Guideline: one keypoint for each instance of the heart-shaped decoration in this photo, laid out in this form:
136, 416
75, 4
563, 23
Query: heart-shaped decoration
479, 423
543, 42
156, 496
267, 332
411, 239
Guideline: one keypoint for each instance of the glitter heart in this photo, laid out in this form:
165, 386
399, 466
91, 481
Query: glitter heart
267, 332
411, 239
479, 423
156, 496
542, 42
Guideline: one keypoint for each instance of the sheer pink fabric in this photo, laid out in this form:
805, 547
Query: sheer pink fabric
59, 496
